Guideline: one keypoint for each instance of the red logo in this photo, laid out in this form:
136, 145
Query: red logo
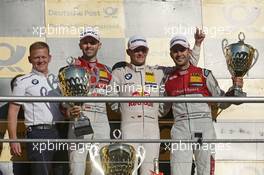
140, 94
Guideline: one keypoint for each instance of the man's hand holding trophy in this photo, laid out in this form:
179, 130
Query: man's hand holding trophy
75, 81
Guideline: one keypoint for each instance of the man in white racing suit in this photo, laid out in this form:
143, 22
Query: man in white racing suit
140, 120
192, 120
90, 43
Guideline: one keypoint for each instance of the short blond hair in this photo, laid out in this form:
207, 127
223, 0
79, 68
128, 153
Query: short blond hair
38, 45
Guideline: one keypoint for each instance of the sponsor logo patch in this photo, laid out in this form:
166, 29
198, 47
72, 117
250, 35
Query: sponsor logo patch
103, 74
34, 81
138, 94
128, 76
195, 78
149, 77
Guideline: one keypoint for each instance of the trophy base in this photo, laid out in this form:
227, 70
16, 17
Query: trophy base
82, 127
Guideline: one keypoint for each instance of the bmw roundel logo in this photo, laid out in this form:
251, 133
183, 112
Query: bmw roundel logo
35, 81
128, 76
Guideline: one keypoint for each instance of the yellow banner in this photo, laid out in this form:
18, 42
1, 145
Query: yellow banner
67, 18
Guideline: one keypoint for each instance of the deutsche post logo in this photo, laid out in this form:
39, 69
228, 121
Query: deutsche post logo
13, 56
16, 54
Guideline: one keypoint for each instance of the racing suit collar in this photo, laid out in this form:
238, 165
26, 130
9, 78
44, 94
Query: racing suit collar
185, 71
40, 73
137, 68
89, 64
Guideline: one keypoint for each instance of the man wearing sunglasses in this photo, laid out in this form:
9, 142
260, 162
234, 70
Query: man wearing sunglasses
192, 120
90, 43
140, 119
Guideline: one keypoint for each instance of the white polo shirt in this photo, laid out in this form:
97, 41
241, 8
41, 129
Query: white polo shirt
36, 84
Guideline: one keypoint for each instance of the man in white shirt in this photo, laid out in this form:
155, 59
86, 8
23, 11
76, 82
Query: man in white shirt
39, 117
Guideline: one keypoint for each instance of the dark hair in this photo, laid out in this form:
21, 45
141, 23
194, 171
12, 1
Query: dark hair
38, 45
12, 82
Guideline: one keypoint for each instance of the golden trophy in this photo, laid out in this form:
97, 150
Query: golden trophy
239, 58
74, 81
117, 158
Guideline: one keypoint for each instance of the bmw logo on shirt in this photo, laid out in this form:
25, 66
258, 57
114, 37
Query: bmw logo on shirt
128, 76
35, 81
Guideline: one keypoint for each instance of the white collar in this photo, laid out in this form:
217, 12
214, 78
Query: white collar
39, 73
138, 68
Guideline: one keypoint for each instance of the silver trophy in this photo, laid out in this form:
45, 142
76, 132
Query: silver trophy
239, 58
74, 81
117, 158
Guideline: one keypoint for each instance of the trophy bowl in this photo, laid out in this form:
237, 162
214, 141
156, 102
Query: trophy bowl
117, 158
240, 58
75, 81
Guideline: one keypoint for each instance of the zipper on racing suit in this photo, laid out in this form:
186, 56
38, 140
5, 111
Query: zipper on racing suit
186, 106
142, 104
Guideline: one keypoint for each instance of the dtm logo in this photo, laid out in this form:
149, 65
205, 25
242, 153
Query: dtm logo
140, 94
15, 56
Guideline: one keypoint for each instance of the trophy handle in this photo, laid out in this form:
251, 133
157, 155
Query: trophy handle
224, 45
70, 60
256, 55
53, 83
141, 155
94, 152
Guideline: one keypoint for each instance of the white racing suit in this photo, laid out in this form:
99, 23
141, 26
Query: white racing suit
140, 120
96, 112
192, 120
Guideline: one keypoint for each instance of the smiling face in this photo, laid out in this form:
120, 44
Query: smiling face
40, 58
180, 55
89, 47
138, 55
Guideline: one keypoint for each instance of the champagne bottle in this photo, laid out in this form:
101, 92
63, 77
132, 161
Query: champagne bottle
156, 167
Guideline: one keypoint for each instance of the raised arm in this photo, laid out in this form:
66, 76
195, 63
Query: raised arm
195, 54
